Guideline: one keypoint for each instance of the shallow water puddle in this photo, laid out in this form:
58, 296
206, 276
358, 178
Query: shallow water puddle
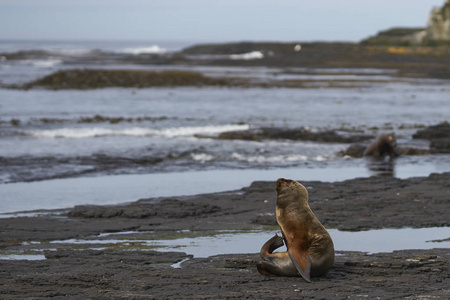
238, 242
372, 241
22, 257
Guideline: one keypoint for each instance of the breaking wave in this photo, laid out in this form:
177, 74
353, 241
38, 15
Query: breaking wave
202, 157
155, 49
136, 131
42, 63
248, 56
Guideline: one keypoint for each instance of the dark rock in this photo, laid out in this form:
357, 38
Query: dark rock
354, 150
168, 208
411, 274
92, 79
357, 151
240, 263
412, 151
328, 136
250, 135
440, 145
439, 131
438, 135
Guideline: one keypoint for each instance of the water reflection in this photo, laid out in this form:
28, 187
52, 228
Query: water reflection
380, 166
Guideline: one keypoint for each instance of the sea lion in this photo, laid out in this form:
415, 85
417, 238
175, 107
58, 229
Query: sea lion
383, 145
310, 249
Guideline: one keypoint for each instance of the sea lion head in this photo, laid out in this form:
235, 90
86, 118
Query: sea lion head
290, 190
391, 140
387, 144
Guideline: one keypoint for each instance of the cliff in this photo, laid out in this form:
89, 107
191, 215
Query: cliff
438, 28
437, 31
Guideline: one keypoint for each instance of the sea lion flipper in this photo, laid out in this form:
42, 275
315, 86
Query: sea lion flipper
271, 245
302, 262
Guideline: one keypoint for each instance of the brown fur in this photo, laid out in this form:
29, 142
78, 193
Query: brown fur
310, 248
383, 145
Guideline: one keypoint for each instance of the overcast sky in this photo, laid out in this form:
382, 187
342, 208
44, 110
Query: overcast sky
208, 20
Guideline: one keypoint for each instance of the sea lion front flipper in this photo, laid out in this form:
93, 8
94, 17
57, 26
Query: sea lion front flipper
302, 262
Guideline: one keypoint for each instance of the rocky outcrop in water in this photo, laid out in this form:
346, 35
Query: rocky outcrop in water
259, 134
93, 79
438, 135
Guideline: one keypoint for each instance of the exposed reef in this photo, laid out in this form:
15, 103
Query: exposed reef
91, 79
84, 79
328, 136
438, 135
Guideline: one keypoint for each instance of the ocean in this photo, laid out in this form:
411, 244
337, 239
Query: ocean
113, 145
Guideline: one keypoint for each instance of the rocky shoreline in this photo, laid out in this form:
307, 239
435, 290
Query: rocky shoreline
70, 270
397, 63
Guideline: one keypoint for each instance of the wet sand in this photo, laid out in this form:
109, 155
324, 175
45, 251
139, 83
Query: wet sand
114, 272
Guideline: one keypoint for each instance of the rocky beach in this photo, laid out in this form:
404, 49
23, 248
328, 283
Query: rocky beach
132, 270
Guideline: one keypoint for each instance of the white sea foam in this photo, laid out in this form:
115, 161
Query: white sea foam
155, 49
202, 157
42, 63
248, 56
276, 158
185, 131
269, 159
136, 131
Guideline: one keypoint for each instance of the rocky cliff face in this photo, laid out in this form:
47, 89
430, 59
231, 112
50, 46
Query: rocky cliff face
438, 28
437, 31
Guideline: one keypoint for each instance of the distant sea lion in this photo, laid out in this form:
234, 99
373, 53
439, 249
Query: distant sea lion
310, 249
383, 145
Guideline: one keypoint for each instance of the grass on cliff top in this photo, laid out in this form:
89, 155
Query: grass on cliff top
92, 79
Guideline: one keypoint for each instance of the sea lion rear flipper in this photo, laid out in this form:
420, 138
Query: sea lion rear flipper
271, 245
302, 262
